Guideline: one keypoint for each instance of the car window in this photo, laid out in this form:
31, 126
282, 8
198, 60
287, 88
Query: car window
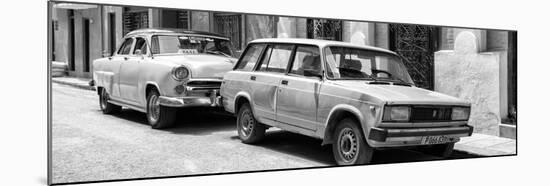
250, 57
276, 58
307, 61
141, 44
126, 47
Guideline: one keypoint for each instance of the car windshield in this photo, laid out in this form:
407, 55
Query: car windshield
354, 64
191, 45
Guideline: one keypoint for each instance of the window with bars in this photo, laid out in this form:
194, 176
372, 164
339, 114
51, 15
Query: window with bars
324, 29
176, 19
135, 19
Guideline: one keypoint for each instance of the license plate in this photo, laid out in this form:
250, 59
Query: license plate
428, 140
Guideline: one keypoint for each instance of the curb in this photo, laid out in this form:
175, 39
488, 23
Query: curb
85, 87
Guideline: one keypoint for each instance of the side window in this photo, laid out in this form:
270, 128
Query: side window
141, 44
276, 58
126, 47
306, 61
250, 57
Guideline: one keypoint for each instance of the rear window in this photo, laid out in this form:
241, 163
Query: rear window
276, 58
250, 57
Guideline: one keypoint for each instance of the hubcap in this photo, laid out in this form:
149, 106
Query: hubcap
348, 144
154, 108
246, 123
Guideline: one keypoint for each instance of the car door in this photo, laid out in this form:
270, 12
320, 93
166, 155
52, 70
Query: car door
298, 92
129, 71
115, 62
265, 80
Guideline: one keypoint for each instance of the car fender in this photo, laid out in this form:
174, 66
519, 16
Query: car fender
247, 96
325, 132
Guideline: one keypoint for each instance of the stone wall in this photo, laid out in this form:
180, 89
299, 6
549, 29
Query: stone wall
469, 74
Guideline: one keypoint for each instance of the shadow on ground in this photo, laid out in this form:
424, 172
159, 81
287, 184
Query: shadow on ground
207, 121
192, 121
311, 149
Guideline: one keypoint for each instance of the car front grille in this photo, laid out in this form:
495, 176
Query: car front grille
432, 113
203, 85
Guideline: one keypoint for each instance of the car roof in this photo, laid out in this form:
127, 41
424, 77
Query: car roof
318, 42
154, 31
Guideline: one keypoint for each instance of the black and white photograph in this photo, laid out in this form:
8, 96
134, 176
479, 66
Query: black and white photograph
141, 92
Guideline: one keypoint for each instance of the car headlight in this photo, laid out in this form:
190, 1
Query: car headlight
397, 113
180, 73
460, 113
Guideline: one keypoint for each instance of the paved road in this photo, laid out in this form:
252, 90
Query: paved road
88, 145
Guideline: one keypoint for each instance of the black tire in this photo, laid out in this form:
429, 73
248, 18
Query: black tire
350, 147
106, 107
164, 117
249, 129
441, 150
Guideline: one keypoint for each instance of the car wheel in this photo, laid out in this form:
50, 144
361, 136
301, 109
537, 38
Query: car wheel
159, 116
106, 107
349, 147
249, 129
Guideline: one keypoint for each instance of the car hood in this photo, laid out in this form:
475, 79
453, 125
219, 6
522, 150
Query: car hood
399, 94
202, 65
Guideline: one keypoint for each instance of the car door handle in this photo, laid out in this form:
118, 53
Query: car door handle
253, 78
284, 82
126, 58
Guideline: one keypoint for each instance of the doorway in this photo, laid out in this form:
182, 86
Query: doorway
112, 33
86, 44
71, 40
229, 25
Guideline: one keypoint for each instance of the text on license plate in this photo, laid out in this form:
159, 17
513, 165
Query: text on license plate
437, 140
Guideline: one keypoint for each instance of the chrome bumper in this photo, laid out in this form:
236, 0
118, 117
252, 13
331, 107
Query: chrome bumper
414, 134
191, 101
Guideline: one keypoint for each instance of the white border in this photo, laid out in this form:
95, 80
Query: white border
23, 95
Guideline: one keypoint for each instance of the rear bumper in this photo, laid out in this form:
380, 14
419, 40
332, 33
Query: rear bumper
413, 134
191, 101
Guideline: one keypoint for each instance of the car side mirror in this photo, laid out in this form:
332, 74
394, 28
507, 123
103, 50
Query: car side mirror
313, 73
138, 52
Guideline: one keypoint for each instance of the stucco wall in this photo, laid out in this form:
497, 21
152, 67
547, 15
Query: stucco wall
259, 27
361, 33
61, 35
200, 21
468, 74
289, 27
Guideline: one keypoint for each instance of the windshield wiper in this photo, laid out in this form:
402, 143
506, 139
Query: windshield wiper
217, 52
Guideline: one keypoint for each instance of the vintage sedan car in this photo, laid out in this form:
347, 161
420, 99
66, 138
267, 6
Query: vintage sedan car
157, 71
356, 98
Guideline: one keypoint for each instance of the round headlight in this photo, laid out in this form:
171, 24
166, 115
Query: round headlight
180, 73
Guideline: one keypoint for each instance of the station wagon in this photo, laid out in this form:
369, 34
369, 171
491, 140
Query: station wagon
356, 98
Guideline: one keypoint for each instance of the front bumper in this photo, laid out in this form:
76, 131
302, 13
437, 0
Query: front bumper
192, 101
412, 136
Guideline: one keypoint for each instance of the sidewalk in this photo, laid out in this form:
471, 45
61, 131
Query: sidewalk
486, 145
81, 83
478, 144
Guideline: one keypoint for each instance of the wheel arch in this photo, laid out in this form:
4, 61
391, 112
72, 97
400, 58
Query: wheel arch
149, 86
338, 113
241, 98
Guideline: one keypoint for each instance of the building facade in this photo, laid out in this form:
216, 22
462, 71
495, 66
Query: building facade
473, 64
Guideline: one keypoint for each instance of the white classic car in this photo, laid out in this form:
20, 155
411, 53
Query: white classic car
156, 71
356, 98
